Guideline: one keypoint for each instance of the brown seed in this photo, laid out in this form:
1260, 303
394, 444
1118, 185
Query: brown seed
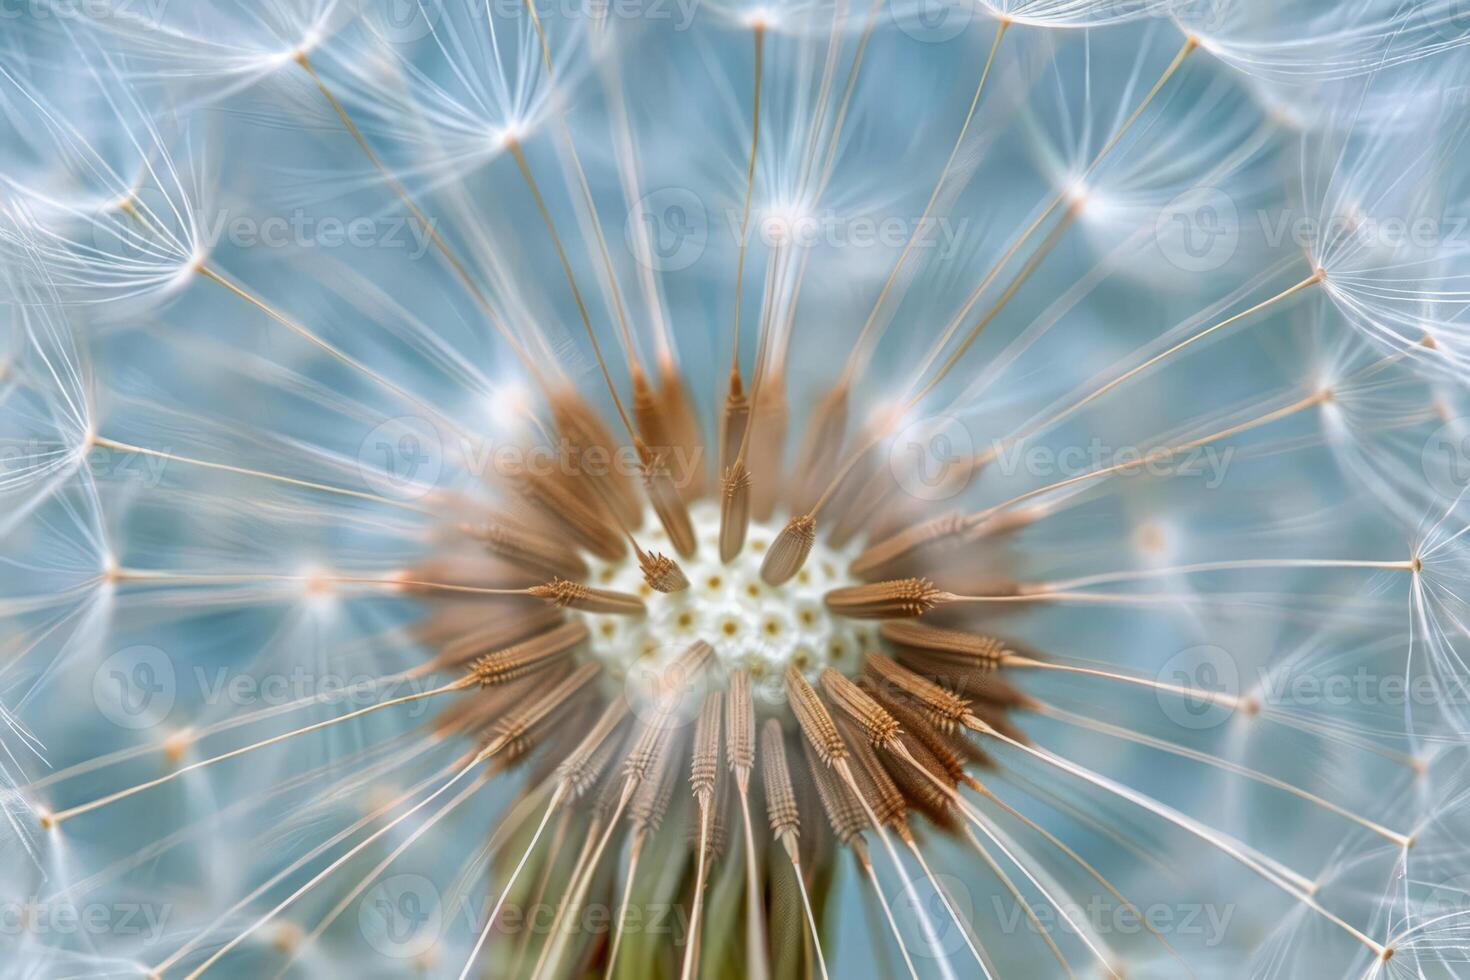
921, 728
650, 742
873, 782
789, 551
559, 503
717, 831
733, 419
734, 511
459, 644
946, 708
574, 595
893, 599
683, 426
662, 573
740, 726
663, 495
887, 556
705, 764
877, 725
521, 659
523, 722
820, 447
683, 669
781, 806
521, 546
843, 810
470, 715
767, 443
981, 652
584, 765
583, 429
816, 722
650, 803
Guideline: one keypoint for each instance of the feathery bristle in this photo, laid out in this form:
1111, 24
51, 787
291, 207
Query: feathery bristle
943, 705
982, 652
816, 722
734, 511
521, 546
877, 725
844, 812
533, 654
740, 726
574, 595
662, 573
885, 600
887, 555
705, 764
781, 806
789, 551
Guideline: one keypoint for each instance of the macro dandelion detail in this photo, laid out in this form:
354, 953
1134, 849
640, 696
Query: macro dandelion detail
915, 489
